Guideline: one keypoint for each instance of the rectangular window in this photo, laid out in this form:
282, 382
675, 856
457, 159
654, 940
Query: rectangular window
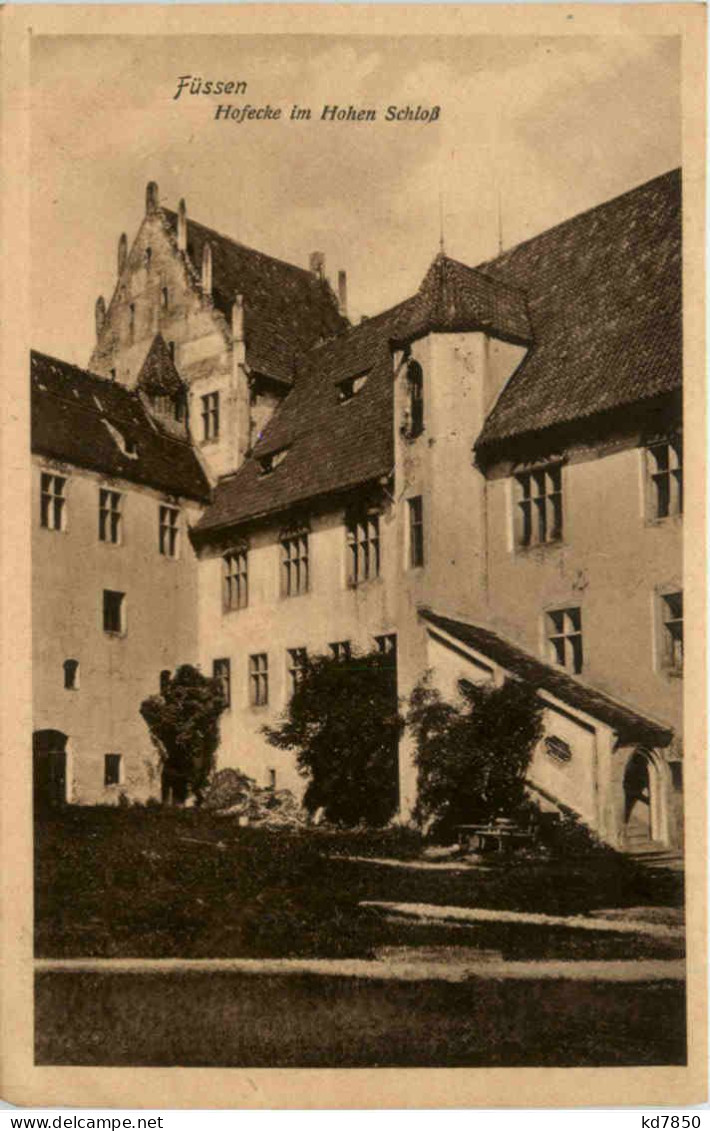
672, 615
114, 611
235, 579
210, 416
112, 769
416, 532
564, 639
363, 548
297, 659
169, 529
53, 502
386, 645
665, 471
109, 516
340, 650
221, 671
294, 565
539, 506
71, 675
259, 679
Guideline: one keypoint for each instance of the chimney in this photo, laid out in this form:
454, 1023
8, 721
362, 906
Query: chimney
317, 263
182, 227
100, 314
122, 252
207, 269
238, 319
151, 197
343, 293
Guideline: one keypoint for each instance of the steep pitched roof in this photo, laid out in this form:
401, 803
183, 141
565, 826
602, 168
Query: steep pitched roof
454, 297
287, 309
158, 375
604, 298
629, 724
93, 423
331, 445
598, 296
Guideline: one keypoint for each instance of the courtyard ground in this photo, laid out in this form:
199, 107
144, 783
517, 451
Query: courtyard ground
150, 884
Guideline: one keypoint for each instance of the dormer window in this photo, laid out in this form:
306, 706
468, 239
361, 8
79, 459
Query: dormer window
351, 387
270, 462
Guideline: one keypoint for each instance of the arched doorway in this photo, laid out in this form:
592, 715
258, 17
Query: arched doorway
49, 766
644, 801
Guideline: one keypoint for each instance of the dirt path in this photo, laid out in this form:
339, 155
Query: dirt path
399, 969
429, 912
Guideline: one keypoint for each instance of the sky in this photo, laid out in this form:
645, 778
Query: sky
531, 130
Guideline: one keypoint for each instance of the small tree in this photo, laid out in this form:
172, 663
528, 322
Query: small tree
472, 757
344, 726
184, 727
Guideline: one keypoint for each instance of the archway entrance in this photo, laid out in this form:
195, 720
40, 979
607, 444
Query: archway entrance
49, 765
644, 802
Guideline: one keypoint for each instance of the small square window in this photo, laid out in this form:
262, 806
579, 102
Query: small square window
259, 679
168, 533
71, 675
114, 611
112, 769
221, 671
564, 638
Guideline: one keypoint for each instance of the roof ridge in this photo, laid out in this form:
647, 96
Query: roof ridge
503, 256
80, 369
245, 247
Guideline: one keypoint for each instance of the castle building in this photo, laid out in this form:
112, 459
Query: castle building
483, 481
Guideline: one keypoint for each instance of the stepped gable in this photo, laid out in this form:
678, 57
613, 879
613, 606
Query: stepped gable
629, 724
85, 420
604, 298
287, 309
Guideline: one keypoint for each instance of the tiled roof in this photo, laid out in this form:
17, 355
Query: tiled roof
604, 298
158, 375
332, 446
90, 422
599, 296
629, 724
287, 309
454, 297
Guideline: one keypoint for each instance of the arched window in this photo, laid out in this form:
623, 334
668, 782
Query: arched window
71, 675
415, 389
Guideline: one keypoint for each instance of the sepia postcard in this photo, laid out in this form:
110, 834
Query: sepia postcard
354, 556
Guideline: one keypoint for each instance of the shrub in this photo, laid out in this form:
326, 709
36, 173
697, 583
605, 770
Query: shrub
472, 756
184, 727
344, 726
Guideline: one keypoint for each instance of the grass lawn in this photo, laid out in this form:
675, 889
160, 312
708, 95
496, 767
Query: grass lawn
307, 1021
155, 883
